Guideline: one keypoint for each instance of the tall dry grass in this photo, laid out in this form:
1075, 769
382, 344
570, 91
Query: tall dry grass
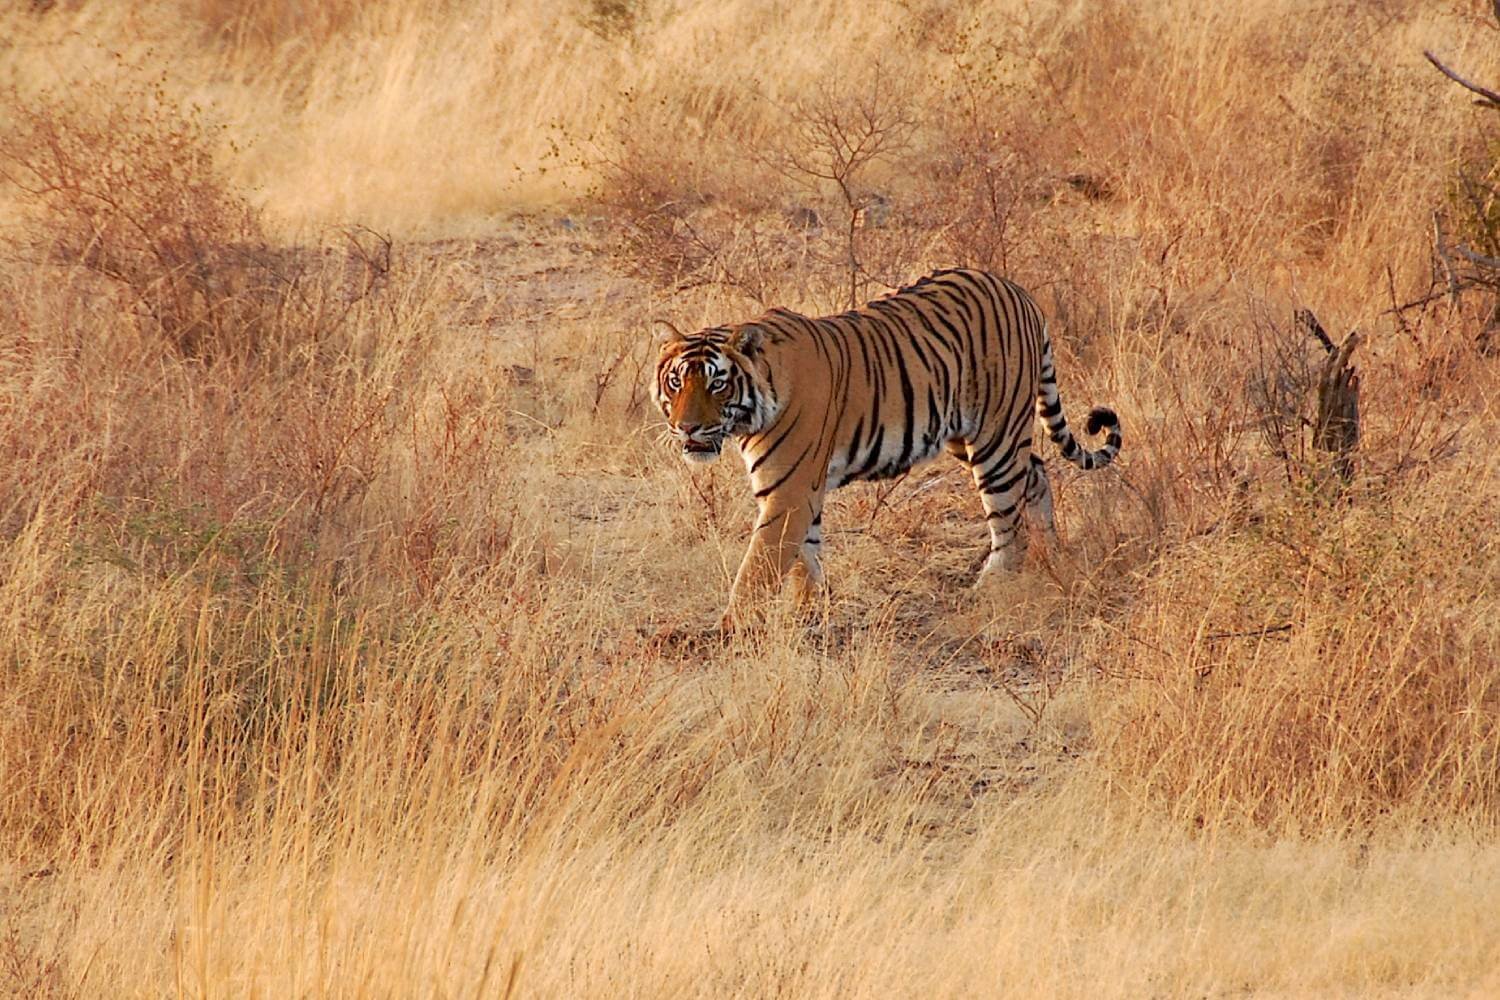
354, 624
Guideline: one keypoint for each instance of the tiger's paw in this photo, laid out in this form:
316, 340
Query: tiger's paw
681, 640
807, 595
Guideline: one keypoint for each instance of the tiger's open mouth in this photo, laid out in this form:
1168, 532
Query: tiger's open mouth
701, 451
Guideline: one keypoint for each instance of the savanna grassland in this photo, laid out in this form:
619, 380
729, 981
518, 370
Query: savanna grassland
357, 625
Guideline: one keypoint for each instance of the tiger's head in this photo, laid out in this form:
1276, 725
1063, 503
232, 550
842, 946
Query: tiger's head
711, 385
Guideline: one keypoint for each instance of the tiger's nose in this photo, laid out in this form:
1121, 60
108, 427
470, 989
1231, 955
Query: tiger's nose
689, 429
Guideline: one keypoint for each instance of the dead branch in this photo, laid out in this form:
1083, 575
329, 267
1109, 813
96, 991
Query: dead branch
1390, 284
1304, 320
1440, 245
1415, 303
1489, 98
1254, 633
1478, 258
1336, 419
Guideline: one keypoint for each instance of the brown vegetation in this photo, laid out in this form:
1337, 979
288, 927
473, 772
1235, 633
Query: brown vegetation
354, 625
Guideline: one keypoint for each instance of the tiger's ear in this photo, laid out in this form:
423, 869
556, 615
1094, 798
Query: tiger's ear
669, 334
748, 339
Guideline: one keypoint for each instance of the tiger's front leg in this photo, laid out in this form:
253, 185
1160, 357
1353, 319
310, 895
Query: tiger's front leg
805, 578
778, 542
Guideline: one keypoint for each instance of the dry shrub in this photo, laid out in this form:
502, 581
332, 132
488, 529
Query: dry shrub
1321, 669
1475, 207
612, 19
1476, 198
125, 185
121, 181
794, 199
698, 205
982, 188
151, 450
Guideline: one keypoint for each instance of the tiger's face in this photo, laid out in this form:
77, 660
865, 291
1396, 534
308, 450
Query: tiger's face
708, 389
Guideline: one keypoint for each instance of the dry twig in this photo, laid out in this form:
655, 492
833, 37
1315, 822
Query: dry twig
1440, 245
1488, 98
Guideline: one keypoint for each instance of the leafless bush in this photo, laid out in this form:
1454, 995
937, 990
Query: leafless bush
808, 207
982, 181
832, 143
125, 185
1296, 388
1476, 207
1277, 391
695, 209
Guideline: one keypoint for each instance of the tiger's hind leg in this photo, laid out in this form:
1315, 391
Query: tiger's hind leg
1004, 480
1039, 498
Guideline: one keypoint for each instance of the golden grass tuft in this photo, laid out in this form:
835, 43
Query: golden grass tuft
1316, 672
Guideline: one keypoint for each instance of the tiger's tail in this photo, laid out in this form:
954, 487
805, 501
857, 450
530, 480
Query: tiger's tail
1049, 408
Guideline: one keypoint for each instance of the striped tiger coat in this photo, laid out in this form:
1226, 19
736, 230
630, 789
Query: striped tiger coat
959, 361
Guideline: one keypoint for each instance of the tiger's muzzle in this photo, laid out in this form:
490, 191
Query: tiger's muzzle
700, 445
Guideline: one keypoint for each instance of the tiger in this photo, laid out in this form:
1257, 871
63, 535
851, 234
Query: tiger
959, 361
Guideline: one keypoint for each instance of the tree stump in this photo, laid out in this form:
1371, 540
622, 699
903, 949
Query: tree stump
1336, 422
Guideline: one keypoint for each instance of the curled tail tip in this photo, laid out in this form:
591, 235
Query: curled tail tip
1100, 418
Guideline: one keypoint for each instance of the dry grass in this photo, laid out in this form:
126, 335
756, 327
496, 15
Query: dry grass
354, 624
